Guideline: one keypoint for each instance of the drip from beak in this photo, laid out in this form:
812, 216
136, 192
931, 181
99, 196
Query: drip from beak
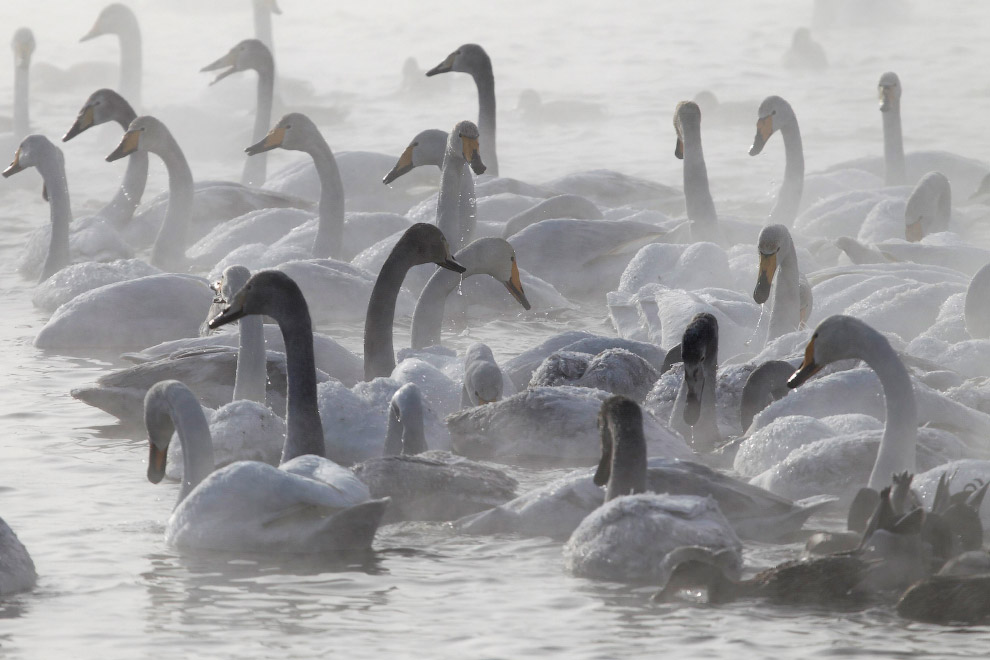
914, 231
679, 149
273, 140
15, 166
514, 285
403, 165
768, 266
228, 60
127, 146
764, 129
84, 121
156, 463
807, 369
444, 66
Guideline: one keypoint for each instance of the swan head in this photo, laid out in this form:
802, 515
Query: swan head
772, 238
889, 91
496, 257
469, 58
292, 132
687, 114
271, 6
33, 152
145, 133
270, 292
699, 346
482, 376
158, 421
424, 243
774, 114
620, 422
427, 148
231, 281
463, 143
23, 46
405, 433
102, 106
838, 337
248, 54
114, 19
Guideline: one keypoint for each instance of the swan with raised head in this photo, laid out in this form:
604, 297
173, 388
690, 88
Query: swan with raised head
462, 150
697, 195
249, 506
775, 114
23, 46
118, 19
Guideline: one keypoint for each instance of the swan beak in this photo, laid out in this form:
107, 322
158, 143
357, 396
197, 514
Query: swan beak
807, 369
234, 311
273, 7
914, 232
84, 121
228, 60
514, 285
768, 266
444, 66
764, 129
885, 101
679, 149
403, 165
93, 33
472, 154
156, 463
273, 140
15, 166
127, 146
450, 264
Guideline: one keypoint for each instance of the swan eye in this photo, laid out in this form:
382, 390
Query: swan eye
773, 112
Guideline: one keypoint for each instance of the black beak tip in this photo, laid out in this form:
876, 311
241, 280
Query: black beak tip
450, 264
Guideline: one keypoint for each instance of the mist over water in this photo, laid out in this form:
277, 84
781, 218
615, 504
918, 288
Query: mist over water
73, 484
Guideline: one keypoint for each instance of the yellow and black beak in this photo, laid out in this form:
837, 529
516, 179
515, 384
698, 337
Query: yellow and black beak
156, 462
128, 145
807, 369
914, 232
271, 141
84, 121
15, 165
444, 66
514, 285
768, 266
472, 154
679, 148
228, 60
403, 165
764, 129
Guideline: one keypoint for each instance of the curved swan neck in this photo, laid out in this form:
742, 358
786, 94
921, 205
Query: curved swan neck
785, 314
256, 167
894, 173
22, 116
330, 231
186, 415
697, 195
485, 80
379, 356
250, 379
304, 429
169, 250
120, 209
900, 432
427, 321
52, 169
785, 209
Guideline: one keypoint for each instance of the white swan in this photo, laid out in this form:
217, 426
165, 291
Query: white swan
453, 219
17, 572
249, 506
776, 114
118, 19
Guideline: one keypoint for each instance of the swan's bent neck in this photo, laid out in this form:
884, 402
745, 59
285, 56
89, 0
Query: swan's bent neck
52, 170
193, 430
427, 321
120, 209
900, 432
330, 231
169, 250
379, 356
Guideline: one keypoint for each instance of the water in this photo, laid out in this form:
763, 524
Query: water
73, 486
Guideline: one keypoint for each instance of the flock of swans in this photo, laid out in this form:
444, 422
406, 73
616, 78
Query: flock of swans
832, 355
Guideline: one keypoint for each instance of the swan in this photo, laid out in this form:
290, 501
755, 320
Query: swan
23, 46
251, 54
249, 506
118, 19
17, 572
694, 409
420, 244
95, 241
765, 384
492, 256
805, 54
483, 380
627, 538
776, 249
424, 484
614, 370
263, 10
697, 196
462, 149
776, 114
472, 59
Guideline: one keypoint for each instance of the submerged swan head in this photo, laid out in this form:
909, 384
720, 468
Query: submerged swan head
292, 132
889, 92
405, 433
774, 114
34, 151
269, 292
482, 376
463, 143
469, 58
687, 115
699, 348
146, 133
114, 19
772, 239
427, 148
23, 46
248, 54
102, 106
623, 462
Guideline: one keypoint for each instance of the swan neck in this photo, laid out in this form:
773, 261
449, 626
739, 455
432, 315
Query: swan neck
900, 432
330, 230
169, 249
785, 313
785, 209
53, 173
263, 25
894, 171
379, 356
120, 209
22, 115
251, 377
697, 195
628, 470
485, 81
256, 167
304, 430
427, 321
194, 436
131, 63
449, 200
